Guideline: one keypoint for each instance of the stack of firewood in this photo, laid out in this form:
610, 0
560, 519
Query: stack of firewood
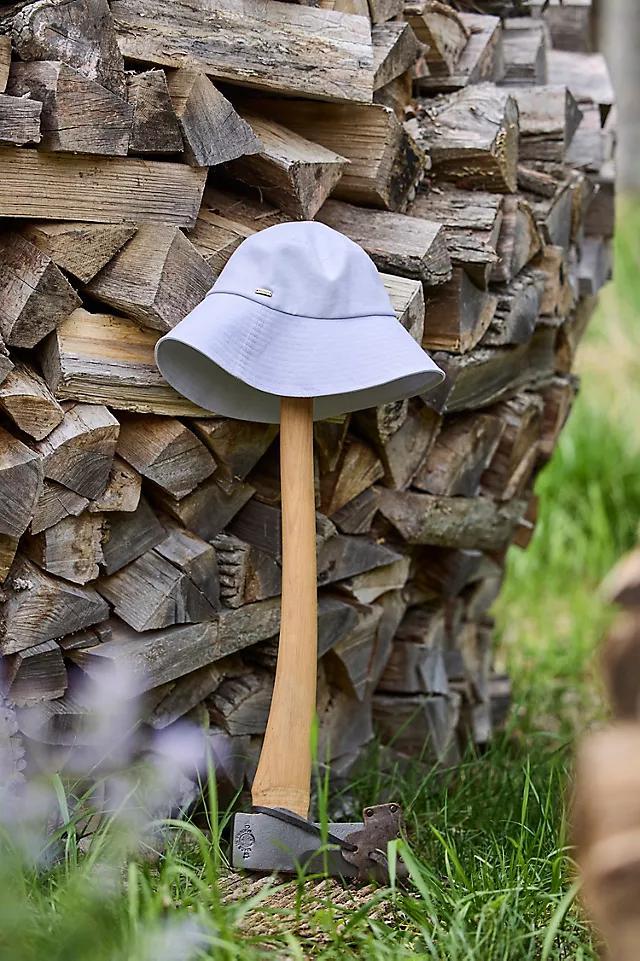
142, 142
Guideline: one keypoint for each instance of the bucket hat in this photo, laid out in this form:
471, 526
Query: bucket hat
299, 310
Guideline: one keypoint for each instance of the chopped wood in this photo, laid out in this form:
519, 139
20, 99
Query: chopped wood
8, 549
174, 583
588, 146
5, 60
156, 279
21, 478
356, 517
280, 47
347, 663
78, 453
519, 241
187, 692
34, 296
443, 31
39, 608
209, 508
549, 118
421, 726
295, 174
78, 32
451, 521
405, 449
79, 249
240, 705
395, 50
78, 114
558, 398
212, 131
383, 10
154, 128
386, 164
517, 311
471, 137
94, 358
166, 452
236, 445
36, 675
397, 94
481, 59
128, 535
594, 267
517, 450
122, 492
524, 47
100, 190
26, 399
55, 503
19, 119
247, 574
585, 74
462, 451
72, 548
371, 585
444, 572
357, 469
216, 237
457, 314
417, 662
409, 246
551, 263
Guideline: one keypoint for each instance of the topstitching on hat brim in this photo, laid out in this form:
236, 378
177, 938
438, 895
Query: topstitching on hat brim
238, 358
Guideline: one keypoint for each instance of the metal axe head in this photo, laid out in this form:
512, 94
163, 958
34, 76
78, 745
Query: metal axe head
280, 841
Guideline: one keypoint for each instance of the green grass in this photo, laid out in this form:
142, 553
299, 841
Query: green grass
490, 859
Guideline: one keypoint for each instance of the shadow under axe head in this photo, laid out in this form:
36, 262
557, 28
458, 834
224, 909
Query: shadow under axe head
299, 310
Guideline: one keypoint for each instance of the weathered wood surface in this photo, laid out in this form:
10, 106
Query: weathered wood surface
154, 126
462, 450
5, 61
166, 452
211, 129
79, 249
19, 120
112, 190
442, 30
78, 114
395, 50
457, 314
128, 535
519, 241
100, 357
524, 45
26, 399
71, 549
481, 58
54, 504
36, 675
273, 46
471, 137
549, 117
21, 477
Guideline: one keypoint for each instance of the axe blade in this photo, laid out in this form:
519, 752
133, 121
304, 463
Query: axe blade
263, 843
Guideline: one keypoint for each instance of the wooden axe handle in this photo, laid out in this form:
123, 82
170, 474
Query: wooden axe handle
283, 777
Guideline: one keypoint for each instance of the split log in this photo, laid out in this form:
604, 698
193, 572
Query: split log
594, 267
274, 46
585, 74
5, 61
457, 314
156, 279
166, 452
403, 452
78, 32
19, 120
386, 164
588, 146
517, 451
99, 190
174, 583
524, 46
441, 572
357, 469
471, 137
551, 263
462, 451
481, 59
368, 587
209, 508
549, 118
347, 663
128, 535
39, 607
216, 237
186, 693
26, 399
570, 23
72, 548
94, 358
383, 10
240, 705
472, 221
122, 492
409, 246
443, 31
422, 726
519, 241
154, 128
558, 398
397, 94
328, 439
295, 174
34, 296
78, 453
379, 424
78, 114
416, 664
20, 484
8, 549
247, 574
54, 504
36, 675
451, 521
79, 249
236, 445
212, 131
395, 50
356, 517
517, 310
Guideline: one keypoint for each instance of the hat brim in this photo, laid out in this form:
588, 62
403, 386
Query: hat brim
236, 357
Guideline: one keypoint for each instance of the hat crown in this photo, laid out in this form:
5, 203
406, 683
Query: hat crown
306, 269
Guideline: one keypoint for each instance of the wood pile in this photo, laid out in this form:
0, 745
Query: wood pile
607, 792
142, 141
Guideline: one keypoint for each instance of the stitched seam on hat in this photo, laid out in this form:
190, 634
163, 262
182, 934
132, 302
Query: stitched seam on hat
249, 342
278, 310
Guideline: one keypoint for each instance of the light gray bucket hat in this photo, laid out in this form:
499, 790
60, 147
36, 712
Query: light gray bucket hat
299, 310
